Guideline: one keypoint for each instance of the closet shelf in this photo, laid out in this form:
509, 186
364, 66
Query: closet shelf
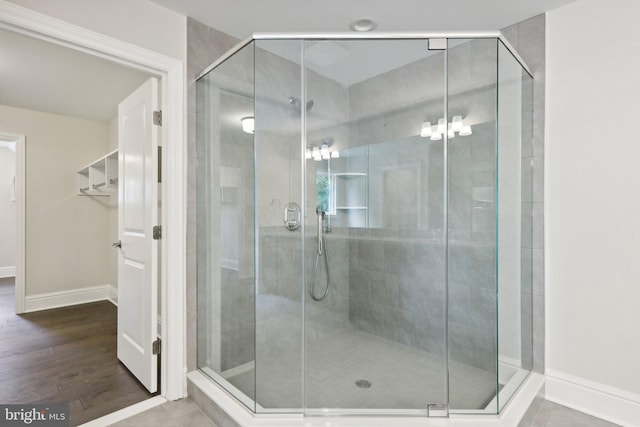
100, 178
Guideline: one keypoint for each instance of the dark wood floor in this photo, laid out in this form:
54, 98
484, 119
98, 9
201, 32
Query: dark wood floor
65, 355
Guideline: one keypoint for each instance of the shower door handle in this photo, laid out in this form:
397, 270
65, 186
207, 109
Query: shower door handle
292, 217
320, 231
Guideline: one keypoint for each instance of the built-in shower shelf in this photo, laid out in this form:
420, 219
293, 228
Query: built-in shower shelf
100, 178
351, 199
350, 174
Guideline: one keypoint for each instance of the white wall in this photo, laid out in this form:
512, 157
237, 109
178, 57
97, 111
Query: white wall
67, 243
140, 22
7, 211
593, 195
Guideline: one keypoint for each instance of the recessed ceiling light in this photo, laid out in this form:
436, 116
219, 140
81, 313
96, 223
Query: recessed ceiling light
363, 24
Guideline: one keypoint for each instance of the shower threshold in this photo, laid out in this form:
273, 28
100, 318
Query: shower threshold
221, 407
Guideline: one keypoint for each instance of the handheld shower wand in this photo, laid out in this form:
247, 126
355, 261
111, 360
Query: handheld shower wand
321, 251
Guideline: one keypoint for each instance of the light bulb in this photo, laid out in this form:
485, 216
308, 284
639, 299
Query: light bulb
324, 152
456, 123
307, 154
451, 134
441, 126
425, 131
248, 124
335, 154
436, 136
465, 131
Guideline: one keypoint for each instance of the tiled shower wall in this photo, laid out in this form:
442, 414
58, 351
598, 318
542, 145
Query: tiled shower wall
204, 45
397, 277
528, 39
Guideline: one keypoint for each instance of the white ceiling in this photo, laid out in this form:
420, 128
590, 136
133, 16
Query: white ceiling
42, 76
241, 18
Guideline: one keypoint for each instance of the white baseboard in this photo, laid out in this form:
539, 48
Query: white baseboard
75, 297
602, 401
7, 272
113, 295
67, 298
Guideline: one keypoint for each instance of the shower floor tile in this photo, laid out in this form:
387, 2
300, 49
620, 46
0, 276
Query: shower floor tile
400, 377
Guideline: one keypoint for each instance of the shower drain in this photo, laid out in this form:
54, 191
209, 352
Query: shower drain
363, 384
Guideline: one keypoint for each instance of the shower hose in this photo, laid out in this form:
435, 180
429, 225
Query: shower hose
321, 251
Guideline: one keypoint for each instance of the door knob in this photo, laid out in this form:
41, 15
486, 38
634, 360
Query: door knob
117, 244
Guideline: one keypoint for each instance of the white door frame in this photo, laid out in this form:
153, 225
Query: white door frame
171, 72
19, 140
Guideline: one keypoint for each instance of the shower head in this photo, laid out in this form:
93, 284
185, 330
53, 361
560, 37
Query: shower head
296, 103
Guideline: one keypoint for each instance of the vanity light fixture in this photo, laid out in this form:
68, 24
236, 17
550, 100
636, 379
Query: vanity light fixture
425, 130
465, 131
456, 123
321, 150
436, 132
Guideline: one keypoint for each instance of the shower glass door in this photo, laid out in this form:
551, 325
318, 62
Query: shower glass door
224, 225
279, 202
348, 225
374, 249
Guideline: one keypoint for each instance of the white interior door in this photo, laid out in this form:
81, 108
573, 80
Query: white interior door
137, 214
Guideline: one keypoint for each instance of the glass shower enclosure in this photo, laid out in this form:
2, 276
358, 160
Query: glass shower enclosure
364, 224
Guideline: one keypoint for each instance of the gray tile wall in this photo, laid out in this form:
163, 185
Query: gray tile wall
397, 280
528, 38
237, 319
204, 45
397, 292
280, 286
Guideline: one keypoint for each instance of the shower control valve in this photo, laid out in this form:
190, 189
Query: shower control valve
292, 216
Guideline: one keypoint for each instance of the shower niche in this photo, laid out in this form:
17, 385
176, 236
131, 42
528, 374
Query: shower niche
342, 188
407, 166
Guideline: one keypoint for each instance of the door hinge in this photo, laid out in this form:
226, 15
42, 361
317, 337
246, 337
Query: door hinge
159, 164
437, 44
157, 232
437, 410
157, 118
156, 346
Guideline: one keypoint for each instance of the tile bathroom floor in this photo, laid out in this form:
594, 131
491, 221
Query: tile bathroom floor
553, 415
179, 413
184, 413
400, 376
